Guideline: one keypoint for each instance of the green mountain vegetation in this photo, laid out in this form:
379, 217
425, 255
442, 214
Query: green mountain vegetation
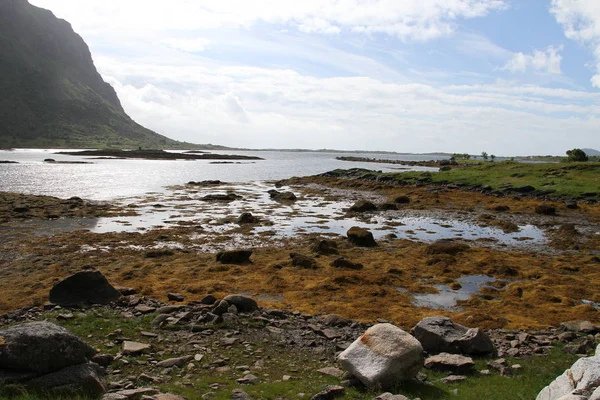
52, 94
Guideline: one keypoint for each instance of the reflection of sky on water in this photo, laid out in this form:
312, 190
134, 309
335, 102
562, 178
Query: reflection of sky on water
446, 298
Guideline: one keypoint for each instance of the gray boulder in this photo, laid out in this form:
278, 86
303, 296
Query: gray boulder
41, 347
76, 378
242, 303
582, 379
383, 356
440, 335
83, 288
454, 363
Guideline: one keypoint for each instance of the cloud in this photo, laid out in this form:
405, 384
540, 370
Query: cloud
547, 61
267, 107
581, 22
195, 45
406, 19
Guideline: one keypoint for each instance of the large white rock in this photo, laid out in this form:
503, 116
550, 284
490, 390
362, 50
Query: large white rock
383, 356
578, 382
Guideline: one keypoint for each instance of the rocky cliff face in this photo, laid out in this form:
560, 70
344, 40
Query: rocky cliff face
52, 94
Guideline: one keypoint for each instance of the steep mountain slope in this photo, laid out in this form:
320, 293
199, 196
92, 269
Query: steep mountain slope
50, 91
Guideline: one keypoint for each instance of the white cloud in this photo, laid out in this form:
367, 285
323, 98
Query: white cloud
260, 107
581, 22
195, 45
406, 19
547, 61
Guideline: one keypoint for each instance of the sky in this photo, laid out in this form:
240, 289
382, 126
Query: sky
509, 77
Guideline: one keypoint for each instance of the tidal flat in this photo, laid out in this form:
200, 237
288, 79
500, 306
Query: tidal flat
544, 267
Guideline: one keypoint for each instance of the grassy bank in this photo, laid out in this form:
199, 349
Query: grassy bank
564, 179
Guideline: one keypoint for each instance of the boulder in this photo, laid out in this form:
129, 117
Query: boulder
325, 247
363, 206
247, 218
383, 356
85, 377
446, 246
454, 363
242, 303
545, 209
302, 261
440, 335
343, 262
583, 378
361, 237
234, 257
282, 196
83, 288
41, 347
221, 197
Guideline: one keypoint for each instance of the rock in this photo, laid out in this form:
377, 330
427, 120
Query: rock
126, 291
83, 288
302, 261
402, 199
580, 326
208, 299
361, 237
234, 257
248, 379
41, 347
331, 371
221, 308
336, 320
363, 206
244, 304
134, 348
571, 204
282, 196
103, 360
582, 378
454, 363
343, 262
523, 189
545, 209
384, 355
389, 396
85, 377
239, 394
439, 334
330, 393
247, 218
325, 247
387, 206
454, 378
137, 393
501, 208
446, 246
167, 396
221, 197
144, 309
175, 297
174, 362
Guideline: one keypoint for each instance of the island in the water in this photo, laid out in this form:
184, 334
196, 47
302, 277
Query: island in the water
157, 155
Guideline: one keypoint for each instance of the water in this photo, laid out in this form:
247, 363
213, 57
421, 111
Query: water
447, 298
110, 179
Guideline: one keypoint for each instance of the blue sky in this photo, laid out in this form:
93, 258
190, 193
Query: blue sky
504, 76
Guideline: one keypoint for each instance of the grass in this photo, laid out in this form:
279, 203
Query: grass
301, 364
565, 179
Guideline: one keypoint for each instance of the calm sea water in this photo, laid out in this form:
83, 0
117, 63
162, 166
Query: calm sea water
110, 179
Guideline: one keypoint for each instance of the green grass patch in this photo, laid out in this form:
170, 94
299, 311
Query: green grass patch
565, 179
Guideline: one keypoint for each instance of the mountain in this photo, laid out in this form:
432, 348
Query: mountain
51, 93
591, 152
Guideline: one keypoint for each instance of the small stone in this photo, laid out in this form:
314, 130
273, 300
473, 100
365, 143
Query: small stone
330, 393
144, 309
454, 379
331, 371
134, 348
249, 379
175, 297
